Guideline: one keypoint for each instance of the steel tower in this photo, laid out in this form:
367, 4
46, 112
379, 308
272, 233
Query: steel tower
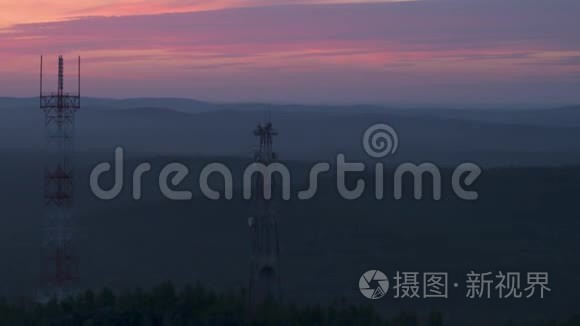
264, 269
61, 260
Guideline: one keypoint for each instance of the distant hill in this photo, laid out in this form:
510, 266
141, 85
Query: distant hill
182, 126
563, 116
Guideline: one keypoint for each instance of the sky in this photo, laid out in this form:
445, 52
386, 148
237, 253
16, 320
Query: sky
430, 52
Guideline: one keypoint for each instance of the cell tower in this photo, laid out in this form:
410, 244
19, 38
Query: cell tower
61, 264
264, 270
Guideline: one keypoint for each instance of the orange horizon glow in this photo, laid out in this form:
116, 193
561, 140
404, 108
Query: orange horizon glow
44, 11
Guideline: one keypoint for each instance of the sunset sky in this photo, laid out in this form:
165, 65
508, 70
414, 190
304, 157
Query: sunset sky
423, 51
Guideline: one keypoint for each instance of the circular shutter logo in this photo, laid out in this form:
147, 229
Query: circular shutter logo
373, 284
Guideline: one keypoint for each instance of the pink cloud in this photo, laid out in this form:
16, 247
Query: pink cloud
357, 49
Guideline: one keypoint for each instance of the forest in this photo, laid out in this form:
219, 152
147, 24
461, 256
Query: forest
195, 305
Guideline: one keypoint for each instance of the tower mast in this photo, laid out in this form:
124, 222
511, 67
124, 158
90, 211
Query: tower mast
61, 260
264, 267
